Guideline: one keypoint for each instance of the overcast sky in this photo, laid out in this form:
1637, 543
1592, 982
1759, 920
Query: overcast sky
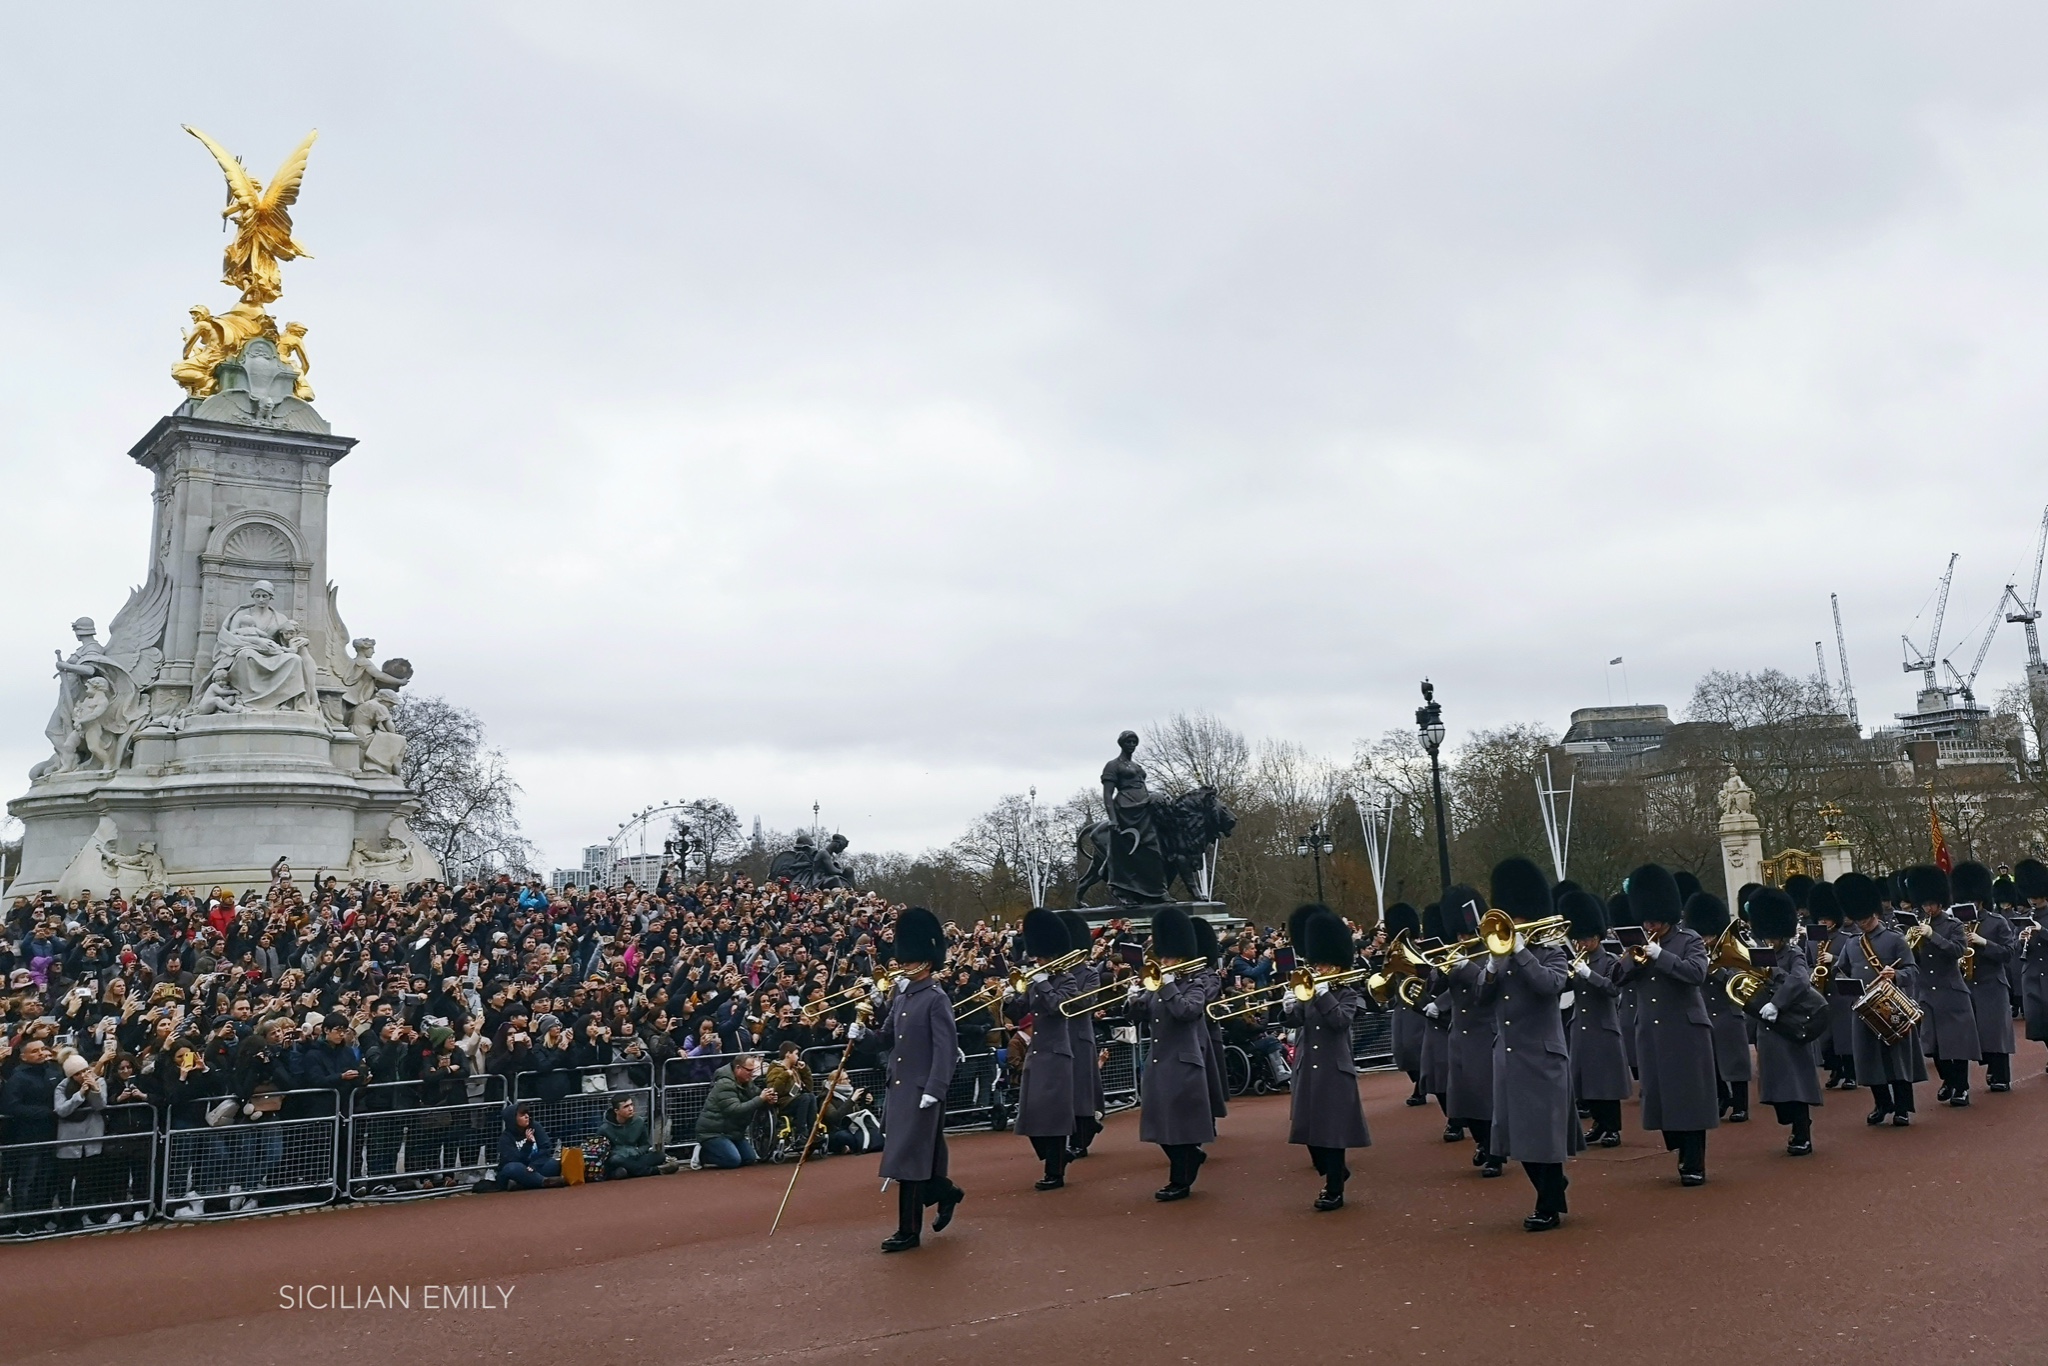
882, 405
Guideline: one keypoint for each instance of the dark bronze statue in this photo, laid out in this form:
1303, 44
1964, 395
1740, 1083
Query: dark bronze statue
1147, 844
811, 868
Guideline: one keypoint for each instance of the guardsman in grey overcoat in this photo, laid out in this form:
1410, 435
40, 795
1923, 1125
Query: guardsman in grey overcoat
1408, 1025
1674, 1037
1828, 935
1706, 916
1326, 1115
1088, 1099
1992, 940
1175, 1092
1949, 1033
1600, 1079
2030, 881
1436, 1022
1209, 981
1535, 1120
1618, 913
1785, 1076
1470, 1097
1045, 1101
918, 1036
1877, 950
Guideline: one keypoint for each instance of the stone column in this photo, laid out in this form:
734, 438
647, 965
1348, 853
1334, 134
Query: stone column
1742, 835
1836, 856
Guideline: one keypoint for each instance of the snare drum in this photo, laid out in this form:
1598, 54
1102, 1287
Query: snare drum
1888, 1012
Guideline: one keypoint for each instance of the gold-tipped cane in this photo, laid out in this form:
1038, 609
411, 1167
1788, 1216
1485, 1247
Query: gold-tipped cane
862, 1013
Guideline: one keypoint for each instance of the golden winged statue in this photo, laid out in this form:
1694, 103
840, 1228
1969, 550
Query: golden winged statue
263, 241
263, 221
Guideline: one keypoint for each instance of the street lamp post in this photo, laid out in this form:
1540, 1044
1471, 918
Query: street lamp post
1314, 843
1429, 721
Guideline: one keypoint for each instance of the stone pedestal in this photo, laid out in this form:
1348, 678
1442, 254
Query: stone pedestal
1742, 836
1836, 858
155, 786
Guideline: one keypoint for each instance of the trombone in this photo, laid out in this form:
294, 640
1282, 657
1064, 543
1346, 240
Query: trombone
1301, 984
1497, 931
814, 1011
1150, 977
1017, 983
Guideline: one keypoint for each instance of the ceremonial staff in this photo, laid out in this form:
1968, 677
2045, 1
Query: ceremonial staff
861, 1014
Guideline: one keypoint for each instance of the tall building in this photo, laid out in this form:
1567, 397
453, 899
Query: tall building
1603, 740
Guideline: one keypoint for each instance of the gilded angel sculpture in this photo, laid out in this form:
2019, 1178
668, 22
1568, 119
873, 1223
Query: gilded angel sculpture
263, 222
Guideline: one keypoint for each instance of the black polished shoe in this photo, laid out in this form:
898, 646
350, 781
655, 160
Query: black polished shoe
946, 1208
1739, 1117
1049, 1183
1076, 1154
1692, 1178
1329, 1200
1591, 1136
1834, 1083
1541, 1223
1418, 1100
1798, 1148
1166, 1194
1611, 1139
899, 1242
2001, 1086
1960, 1100
1494, 1167
1876, 1117
1454, 1133
1941, 1096
1479, 1157
1901, 1121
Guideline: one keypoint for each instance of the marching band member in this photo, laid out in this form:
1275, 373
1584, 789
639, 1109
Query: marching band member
1208, 981
1089, 1104
1436, 1035
1785, 1078
1992, 941
2030, 880
1534, 1119
1409, 1027
1949, 1033
1618, 914
1878, 952
1674, 1036
1470, 1101
1176, 1113
1832, 941
1045, 1101
1600, 1080
922, 1045
1707, 917
1326, 1114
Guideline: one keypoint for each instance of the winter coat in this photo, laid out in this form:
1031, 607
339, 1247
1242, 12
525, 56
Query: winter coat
1675, 1036
1324, 1109
729, 1108
1599, 1064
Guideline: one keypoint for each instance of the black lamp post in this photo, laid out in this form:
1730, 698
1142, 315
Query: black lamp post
1314, 843
1429, 720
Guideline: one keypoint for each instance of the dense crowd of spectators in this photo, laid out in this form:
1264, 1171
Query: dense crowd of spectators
223, 1009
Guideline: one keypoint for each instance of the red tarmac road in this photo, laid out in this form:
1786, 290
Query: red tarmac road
1888, 1245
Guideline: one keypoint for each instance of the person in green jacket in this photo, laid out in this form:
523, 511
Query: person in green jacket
729, 1111
631, 1146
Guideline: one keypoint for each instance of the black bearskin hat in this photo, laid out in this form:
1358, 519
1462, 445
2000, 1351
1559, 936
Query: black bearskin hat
1520, 889
1079, 936
1297, 924
1587, 916
1773, 914
1706, 915
1822, 904
1567, 885
2031, 876
1433, 922
1972, 882
1688, 885
1619, 912
1044, 934
2005, 891
1742, 896
1206, 943
1329, 942
1462, 909
1800, 888
919, 937
1858, 896
1653, 895
1401, 916
1926, 885
1173, 934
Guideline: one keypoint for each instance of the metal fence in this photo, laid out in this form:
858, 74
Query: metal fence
685, 1082
71, 1185
1372, 1039
254, 1165
571, 1118
1126, 1045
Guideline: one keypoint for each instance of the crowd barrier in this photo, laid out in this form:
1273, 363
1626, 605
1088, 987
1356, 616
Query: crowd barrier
72, 1184
1372, 1039
253, 1166
399, 1148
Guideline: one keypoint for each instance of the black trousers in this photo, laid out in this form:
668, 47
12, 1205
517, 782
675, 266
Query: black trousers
1330, 1165
1893, 1096
1735, 1096
1481, 1131
1183, 1160
1799, 1115
1606, 1115
1052, 1152
1998, 1068
1549, 1180
1691, 1147
1954, 1071
913, 1196
1086, 1127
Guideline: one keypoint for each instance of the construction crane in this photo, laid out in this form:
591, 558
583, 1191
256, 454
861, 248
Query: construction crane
2028, 612
1924, 662
1964, 684
1842, 654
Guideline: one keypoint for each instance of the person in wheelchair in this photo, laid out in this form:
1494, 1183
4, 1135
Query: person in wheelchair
797, 1110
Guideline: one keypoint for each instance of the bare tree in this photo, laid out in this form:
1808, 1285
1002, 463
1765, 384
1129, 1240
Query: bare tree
1188, 750
468, 802
715, 834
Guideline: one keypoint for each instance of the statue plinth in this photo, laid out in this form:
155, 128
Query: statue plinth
1742, 836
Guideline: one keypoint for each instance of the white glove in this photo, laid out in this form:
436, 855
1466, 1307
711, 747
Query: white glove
1322, 988
1166, 979
1432, 1010
1769, 1012
856, 1030
1135, 992
1040, 977
927, 1102
1977, 939
1521, 941
1654, 949
1583, 971
1565, 999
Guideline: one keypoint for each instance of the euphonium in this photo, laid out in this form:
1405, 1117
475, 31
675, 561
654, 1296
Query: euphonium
1402, 974
1731, 955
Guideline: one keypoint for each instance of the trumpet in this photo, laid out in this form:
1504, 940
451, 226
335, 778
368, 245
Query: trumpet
1641, 952
1016, 984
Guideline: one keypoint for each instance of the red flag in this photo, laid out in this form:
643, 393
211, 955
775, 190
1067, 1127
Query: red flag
1941, 856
